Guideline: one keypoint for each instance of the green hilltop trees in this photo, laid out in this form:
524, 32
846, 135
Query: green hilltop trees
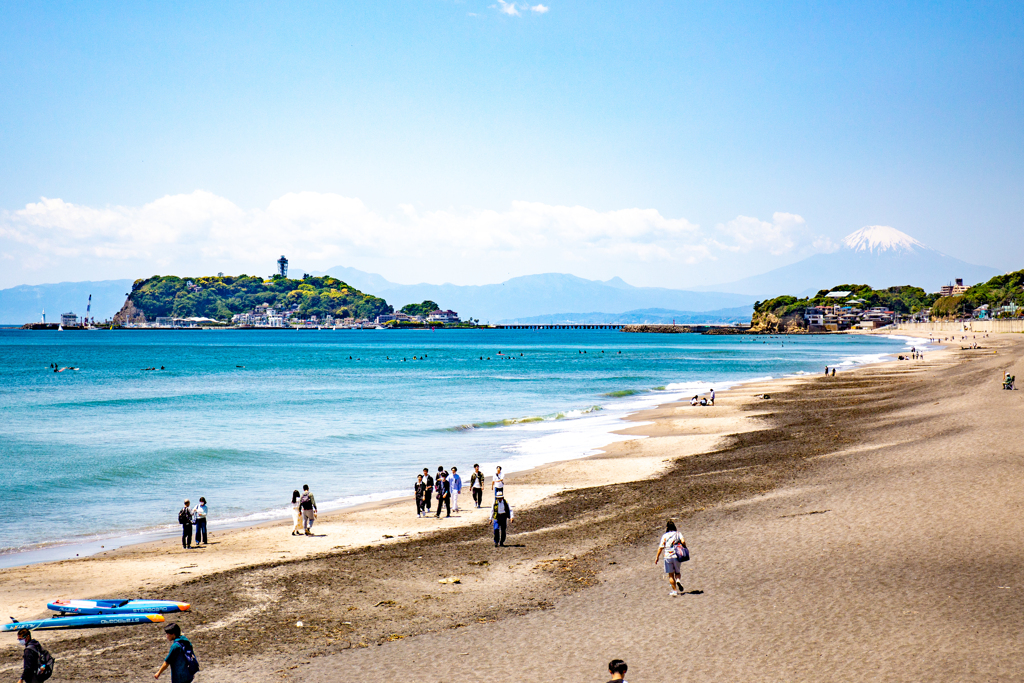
222, 297
424, 309
903, 299
1000, 291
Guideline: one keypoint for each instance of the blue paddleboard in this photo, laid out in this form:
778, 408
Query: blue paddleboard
118, 606
84, 621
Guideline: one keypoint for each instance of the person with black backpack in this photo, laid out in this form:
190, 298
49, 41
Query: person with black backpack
181, 659
37, 662
185, 520
307, 503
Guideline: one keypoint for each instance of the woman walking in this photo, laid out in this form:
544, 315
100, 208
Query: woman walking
296, 513
672, 544
498, 483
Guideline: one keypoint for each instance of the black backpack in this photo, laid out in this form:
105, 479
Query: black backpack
44, 662
184, 516
305, 503
190, 658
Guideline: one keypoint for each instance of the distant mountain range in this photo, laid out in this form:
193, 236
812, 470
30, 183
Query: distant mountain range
541, 295
26, 303
877, 255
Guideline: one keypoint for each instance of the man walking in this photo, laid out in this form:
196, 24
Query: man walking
500, 517
476, 482
444, 496
307, 503
185, 520
181, 659
456, 486
200, 516
428, 481
33, 658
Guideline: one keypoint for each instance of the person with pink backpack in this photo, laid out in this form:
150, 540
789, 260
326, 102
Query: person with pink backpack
674, 546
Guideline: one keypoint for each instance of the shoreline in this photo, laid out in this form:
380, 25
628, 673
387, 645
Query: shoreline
550, 559
106, 545
123, 542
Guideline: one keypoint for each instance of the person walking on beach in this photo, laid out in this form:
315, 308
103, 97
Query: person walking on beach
501, 515
456, 486
476, 483
308, 504
617, 669
428, 481
671, 542
296, 513
420, 490
180, 659
35, 661
200, 516
444, 495
185, 520
498, 483
712, 397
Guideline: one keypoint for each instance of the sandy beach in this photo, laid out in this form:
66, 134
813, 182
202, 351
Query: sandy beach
859, 527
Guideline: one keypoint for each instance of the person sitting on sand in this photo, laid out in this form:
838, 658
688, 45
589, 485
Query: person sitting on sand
671, 541
703, 401
694, 401
617, 668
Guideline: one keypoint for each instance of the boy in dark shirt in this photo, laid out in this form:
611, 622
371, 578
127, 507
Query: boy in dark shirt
420, 489
429, 482
178, 656
444, 496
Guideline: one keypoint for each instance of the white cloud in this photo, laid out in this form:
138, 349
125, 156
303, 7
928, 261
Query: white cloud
197, 233
787, 232
508, 8
540, 9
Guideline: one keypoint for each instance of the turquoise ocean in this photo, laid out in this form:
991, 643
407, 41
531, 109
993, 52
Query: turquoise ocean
105, 453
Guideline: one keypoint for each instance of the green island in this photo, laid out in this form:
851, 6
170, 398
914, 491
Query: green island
223, 298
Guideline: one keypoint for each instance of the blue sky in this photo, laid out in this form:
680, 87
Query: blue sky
671, 143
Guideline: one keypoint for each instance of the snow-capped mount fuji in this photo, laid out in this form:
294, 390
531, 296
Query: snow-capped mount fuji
876, 255
881, 238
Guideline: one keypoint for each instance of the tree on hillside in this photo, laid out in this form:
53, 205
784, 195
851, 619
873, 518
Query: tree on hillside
424, 309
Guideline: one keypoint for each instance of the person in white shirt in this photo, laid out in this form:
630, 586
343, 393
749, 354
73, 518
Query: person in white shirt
296, 514
498, 483
200, 515
668, 545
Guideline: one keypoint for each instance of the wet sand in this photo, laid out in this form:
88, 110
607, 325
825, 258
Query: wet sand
862, 527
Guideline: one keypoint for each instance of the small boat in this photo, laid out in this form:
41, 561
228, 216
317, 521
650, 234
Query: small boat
84, 621
117, 606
